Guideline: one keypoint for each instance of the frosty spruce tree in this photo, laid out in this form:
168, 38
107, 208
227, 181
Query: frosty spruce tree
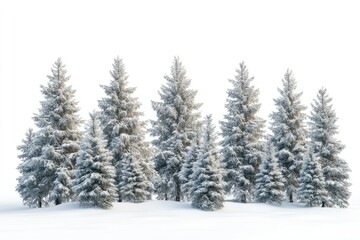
174, 129
269, 181
207, 189
289, 133
327, 148
188, 166
134, 185
242, 131
94, 182
57, 137
123, 128
30, 186
312, 184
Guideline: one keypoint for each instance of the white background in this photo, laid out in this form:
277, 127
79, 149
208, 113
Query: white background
318, 40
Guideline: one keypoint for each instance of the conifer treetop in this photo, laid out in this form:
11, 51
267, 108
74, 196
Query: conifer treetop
323, 115
288, 97
120, 109
242, 93
177, 107
59, 108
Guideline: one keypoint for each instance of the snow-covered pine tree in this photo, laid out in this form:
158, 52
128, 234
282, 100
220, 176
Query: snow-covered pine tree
289, 133
148, 168
30, 180
312, 184
134, 185
175, 127
122, 126
58, 135
94, 182
323, 130
188, 166
269, 181
242, 131
207, 191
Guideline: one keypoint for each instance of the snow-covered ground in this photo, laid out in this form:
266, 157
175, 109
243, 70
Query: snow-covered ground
173, 220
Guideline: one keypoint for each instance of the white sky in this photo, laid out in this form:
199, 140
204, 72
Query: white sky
318, 40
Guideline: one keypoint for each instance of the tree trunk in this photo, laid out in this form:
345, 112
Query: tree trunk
177, 198
243, 198
177, 190
39, 202
323, 204
291, 198
58, 201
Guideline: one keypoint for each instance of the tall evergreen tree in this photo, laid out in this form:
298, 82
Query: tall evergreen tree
323, 130
59, 135
289, 133
94, 182
122, 126
242, 131
269, 181
312, 184
30, 180
174, 129
188, 167
207, 189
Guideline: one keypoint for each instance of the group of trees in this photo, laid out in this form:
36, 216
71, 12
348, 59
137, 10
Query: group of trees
112, 161
294, 161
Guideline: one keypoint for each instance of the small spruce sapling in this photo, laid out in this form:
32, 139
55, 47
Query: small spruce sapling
312, 184
94, 182
269, 181
207, 191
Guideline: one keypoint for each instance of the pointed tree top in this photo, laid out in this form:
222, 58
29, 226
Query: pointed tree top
58, 62
243, 71
118, 73
93, 115
178, 70
289, 81
323, 96
177, 60
59, 71
323, 91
